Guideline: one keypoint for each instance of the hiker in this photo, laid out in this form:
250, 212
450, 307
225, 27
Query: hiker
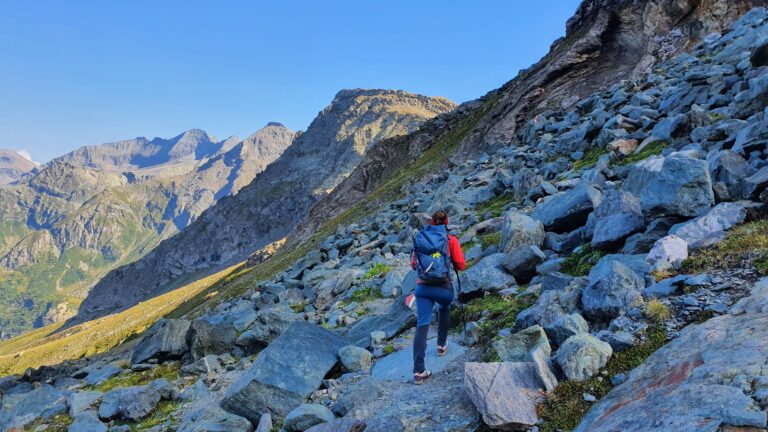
434, 251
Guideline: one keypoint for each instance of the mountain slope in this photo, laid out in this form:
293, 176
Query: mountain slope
100, 207
279, 197
14, 167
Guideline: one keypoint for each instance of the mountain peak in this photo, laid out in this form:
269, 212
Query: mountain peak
275, 124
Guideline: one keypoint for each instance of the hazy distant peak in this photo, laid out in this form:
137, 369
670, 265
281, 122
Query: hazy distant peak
275, 124
14, 165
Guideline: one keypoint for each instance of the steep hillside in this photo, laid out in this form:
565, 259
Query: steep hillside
278, 198
99, 207
14, 167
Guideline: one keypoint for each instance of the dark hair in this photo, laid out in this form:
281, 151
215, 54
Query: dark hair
440, 217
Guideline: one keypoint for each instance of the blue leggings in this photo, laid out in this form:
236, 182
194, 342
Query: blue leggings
426, 297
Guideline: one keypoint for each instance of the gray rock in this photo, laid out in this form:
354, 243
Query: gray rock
81, 401
242, 315
97, 374
641, 243
582, 356
265, 423
667, 253
398, 366
43, 402
409, 281
689, 383
617, 217
129, 403
565, 327
728, 171
566, 211
506, 394
683, 187
710, 229
165, 340
211, 338
613, 289
519, 230
270, 323
552, 305
211, 418
518, 347
285, 373
306, 416
86, 422
340, 425
755, 184
665, 288
487, 275
167, 390
392, 284
522, 261
355, 359
397, 319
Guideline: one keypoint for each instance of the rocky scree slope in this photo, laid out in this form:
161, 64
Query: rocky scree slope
578, 273
278, 198
74, 219
605, 41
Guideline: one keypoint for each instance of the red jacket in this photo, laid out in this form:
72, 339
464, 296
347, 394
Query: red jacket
454, 252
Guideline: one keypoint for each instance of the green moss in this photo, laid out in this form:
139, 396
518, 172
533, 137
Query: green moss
565, 406
298, 307
362, 295
492, 239
744, 241
161, 415
590, 158
652, 149
389, 349
581, 262
169, 370
494, 206
57, 423
377, 270
500, 313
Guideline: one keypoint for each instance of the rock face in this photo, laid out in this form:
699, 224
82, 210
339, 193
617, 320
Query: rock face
709, 359
265, 210
613, 289
285, 373
567, 211
520, 230
617, 217
581, 356
683, 187
506, 394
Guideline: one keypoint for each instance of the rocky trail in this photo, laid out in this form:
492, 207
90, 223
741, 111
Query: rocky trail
618, 281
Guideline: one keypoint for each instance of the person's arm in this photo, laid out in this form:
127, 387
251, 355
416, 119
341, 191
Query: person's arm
457, 255
413, 260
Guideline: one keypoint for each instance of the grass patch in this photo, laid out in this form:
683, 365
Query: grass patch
492, 239
500, 312
169, 370
652, 149
565, 406
494, 206
741, 242
162, 414
57, 423
298, 307
377, 270
363, 295
388, 348
581, 262
657, 311
590, 158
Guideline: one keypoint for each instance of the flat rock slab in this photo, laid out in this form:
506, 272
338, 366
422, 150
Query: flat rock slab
285, 373
399, 366
506, 394
397, 319
688, 385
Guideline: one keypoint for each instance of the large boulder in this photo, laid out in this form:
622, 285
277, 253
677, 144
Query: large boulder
710, 229
165, 340
613, 289
565, 327
683, 187
285, 373
211, 337
42, 402
667, 253
552, 305
519, 229
86, 422
487, 275
270, 323
566, 211
521, 262
129, 403
304, 417
81, 401
211, 418
355, 359
517, 347
617, 217
397, 319
506, 394
756, 184
582, 356
728, 170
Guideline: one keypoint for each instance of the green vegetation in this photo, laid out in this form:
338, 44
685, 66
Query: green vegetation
363, 295
57, 423
377, 270
298, 307
162, 415
651, 149
565, 406
492, 239
581, 262
500, 312
127, 378
749, 240
389, 348
494, 206
590, 158
657, 311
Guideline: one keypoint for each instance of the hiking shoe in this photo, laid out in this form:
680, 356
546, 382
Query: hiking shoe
418, 378
442, 350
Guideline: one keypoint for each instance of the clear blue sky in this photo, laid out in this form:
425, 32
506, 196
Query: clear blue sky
76, 73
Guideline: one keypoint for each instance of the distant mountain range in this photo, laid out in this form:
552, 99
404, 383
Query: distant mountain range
14, 166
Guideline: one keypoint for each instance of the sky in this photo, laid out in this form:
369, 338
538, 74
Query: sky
75, 72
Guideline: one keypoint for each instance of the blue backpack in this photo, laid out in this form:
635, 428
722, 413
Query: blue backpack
430, 249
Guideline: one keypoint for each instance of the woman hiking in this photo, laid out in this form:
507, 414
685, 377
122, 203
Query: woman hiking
434, 252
